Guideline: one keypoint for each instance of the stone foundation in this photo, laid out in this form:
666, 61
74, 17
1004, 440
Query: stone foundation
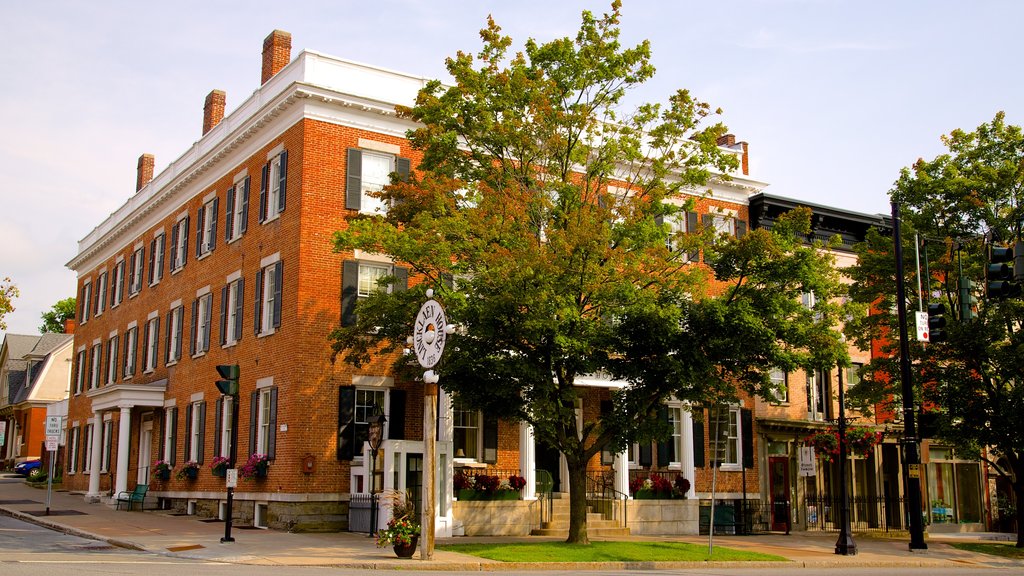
656, 517
496, 517
326, 516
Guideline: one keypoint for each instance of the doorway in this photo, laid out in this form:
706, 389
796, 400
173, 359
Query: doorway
550, 459
778, 487
145, 451
414, 481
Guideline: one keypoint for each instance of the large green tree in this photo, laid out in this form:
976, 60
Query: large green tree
960, 203
8, 292
54, 318
538, 214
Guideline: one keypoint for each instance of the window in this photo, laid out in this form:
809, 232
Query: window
151, 344
135, 271
117, 289
157, 248
268, 298
131, 340
726, 422
202, 311
675, 444
73, 446
206, 228
87, 452
367, 401
224, 412
465, 430
175, 320
263, 421
112, 359
680, 223
236, 215
368, 172
231, 302
195, 431
780, 385
170, 434
96, 366
101, 293
272, 187
80, 371
179, 244
105, 445
853, 375
817, 397
84, 304
361, 279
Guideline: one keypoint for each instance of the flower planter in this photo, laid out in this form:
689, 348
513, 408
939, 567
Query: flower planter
651, 495
162, 474
190, 473
406, 550
219, 472
469, 494
260, 473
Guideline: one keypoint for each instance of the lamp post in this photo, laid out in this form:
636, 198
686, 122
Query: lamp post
845, 544
376, 437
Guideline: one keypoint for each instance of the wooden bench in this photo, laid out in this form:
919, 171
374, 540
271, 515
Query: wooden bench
130, 498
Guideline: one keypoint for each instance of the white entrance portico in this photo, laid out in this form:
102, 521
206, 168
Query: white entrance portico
122, 397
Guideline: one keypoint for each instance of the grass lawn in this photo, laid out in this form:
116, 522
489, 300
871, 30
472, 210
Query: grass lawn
1004, 550
606, 552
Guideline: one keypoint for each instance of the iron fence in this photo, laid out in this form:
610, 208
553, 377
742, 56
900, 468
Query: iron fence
359, 516
738, 516
867, 514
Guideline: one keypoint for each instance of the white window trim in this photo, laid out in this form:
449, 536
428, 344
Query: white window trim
738, 465
274, 185
117, 283
158, 266
262, 420
225, 427
365, 201
207, 225
195, 431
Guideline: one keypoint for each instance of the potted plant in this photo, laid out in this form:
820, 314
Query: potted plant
162, 470
256, 467
402, 532
219, 466
190, 471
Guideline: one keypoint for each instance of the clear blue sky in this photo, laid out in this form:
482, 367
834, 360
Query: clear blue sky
833, 96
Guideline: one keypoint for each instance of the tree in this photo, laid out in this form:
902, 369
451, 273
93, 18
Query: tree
8, 292
538, 215
961, 203
53, 320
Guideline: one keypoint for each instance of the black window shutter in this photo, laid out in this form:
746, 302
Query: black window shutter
645, 455
401, 279
224, 315
664, 448
163, 436
181, 324
145, 347
188, 432
257, 321
135, 351
200, 224
254, 411
184, 233
163, 256
709, 221
691, 226
156, 340
747, 430
201, 444
206, 321
490, 439
272, 432
659, 220
349, 291
396, 416
195, 327
131, 278
86, 438
174, 250
346, 413
403, 167
245, 207
229, 213
174, 436
282, 182
354, 179
741, 228
213, 228
263, 192
218, 422
278, 281
239, 307
698, 441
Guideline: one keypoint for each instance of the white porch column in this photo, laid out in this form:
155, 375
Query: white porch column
622, 472
688, 469
528, 460
124, 430
94, 458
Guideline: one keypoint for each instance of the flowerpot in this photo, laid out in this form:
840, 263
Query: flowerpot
191, 473
219, 472
260, 473
406, 550
163, 474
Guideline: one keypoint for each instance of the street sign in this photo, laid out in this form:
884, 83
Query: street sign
915, 470
53, 425
51, 443
231, 479
921, 320
806, 461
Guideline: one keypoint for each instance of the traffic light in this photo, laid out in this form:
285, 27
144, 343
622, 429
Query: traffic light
936, 323
229, 385
1000, 274
967, 300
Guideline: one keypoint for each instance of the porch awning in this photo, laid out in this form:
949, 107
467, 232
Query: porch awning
128, 396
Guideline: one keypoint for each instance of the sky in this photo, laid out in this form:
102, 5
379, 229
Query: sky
834, 97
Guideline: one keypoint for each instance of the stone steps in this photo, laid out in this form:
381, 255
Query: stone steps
597, 524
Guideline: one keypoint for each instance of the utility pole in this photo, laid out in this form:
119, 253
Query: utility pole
911, 457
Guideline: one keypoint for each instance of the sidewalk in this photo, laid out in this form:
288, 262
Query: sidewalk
188, 537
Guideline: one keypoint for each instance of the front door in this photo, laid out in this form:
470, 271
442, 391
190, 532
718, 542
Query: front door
550, 459
414, 480
778, 487
145, 455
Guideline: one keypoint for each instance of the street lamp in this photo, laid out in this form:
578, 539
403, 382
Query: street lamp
376, 437
845, 544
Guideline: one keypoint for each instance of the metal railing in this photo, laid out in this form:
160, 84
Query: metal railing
737, 516
545, 483
359, 512
604, 499
867, 514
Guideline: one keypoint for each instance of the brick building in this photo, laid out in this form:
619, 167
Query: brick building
225, 257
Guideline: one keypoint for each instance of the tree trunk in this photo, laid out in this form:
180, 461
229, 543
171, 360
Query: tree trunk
577, 502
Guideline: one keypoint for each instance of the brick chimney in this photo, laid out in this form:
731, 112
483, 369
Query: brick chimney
277, 52
726, 140
213, 109
745, 159
144, 172
70, 325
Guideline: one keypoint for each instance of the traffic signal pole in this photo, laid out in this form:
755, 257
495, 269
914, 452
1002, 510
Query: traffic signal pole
911, 457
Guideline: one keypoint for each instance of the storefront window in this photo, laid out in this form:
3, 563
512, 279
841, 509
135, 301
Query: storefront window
954, 488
